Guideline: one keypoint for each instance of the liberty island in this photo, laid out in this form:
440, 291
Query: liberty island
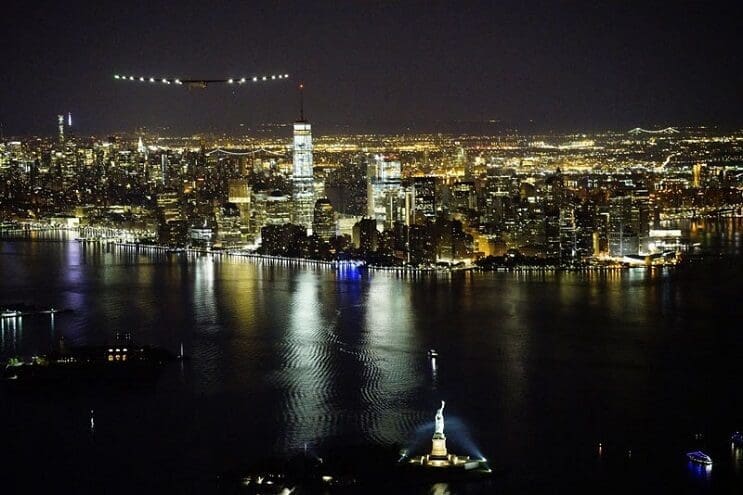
441, 460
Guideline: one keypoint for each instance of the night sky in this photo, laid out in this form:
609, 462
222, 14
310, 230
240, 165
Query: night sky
371, 65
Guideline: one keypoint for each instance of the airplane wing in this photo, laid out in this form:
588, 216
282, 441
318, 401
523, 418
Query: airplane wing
199, 83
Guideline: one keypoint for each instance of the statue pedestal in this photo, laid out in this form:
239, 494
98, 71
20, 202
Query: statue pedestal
439, 446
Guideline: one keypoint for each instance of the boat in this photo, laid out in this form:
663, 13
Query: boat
699, 457
122, 363
10, 313
737, 439
433, 354
54, 310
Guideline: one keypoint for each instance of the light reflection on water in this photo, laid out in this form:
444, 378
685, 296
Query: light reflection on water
531, 364
699, 472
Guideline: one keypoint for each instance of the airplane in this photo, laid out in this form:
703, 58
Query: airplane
200, 83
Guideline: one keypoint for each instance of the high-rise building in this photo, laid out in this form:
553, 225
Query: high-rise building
365, 236
568, 237
278, 209
554, 191
386, 199
346, 186
238, 193
623, 236
463, 197
323, 223
425, 196
303, 183
164, 165
60, 126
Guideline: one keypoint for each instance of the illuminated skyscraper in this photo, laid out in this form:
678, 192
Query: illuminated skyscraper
60, 124
623, 226
568, 238
425, 196
164, 166
238, 193
386, 201
278, 208
303, 184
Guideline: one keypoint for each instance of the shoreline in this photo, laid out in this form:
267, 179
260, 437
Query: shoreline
360, 265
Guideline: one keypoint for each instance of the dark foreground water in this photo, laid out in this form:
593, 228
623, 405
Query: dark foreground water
537, 369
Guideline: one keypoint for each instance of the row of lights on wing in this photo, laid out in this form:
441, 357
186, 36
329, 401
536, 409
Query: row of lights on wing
178, 81
257, 78
147, 79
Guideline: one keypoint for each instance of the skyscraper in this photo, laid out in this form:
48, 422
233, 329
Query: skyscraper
425, 196
303, 184
568, 238
385, 195
324, 220
60, 124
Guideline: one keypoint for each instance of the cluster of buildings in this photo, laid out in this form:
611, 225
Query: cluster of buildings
562, 200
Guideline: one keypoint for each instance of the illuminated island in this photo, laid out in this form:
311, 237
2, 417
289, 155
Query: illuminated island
363, 468
440, 461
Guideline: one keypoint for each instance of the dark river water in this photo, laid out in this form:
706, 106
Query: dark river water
537, 370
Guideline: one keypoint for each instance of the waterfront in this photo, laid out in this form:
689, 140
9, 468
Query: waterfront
537, 369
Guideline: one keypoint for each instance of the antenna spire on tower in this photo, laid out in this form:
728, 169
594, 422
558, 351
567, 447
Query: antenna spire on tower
301, 101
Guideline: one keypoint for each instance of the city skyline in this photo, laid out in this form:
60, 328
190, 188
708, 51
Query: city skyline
375, 67
253, 246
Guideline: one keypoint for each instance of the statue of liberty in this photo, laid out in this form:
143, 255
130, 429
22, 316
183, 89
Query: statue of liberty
439, 425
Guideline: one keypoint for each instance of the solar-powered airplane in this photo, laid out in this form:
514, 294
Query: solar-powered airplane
200, 83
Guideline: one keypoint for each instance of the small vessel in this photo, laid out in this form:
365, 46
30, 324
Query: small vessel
10, 313
181, 355
699, 457
432, 353
737, 439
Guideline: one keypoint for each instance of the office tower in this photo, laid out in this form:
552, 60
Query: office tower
303, 184
60, 125
278, 209
463, 197
587, 236
425, 196
346, 187
385, 195
623, 227
501, 187
568, 238
164, 165
696, 175
642, 217
238, 193
366, 236
323, 223
463, 163
554, 191
422, 244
